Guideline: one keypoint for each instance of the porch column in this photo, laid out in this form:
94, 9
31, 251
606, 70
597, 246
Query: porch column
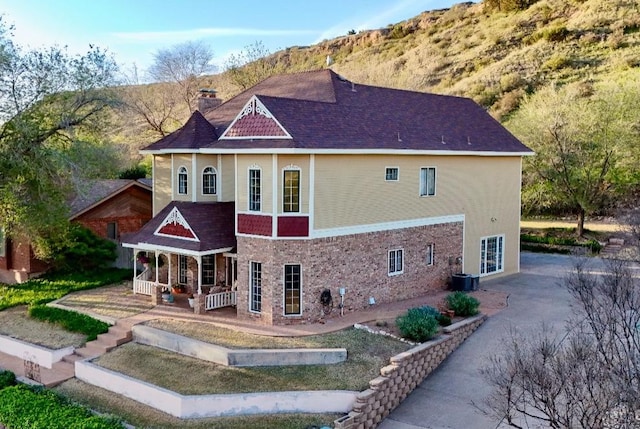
157, 260
199, 262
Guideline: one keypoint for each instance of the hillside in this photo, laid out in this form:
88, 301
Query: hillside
492, 57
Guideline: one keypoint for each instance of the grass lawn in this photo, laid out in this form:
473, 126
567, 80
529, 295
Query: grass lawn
366, 352
16, 323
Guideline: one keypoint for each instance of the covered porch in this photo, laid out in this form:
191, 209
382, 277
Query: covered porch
187, 250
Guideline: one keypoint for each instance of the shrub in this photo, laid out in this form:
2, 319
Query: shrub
462, 304
84, 251
36, 408
7, 378
70, 320
417, 324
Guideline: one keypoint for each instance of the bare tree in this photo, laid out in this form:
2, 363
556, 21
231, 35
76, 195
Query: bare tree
183, 64
252, 65
587, 378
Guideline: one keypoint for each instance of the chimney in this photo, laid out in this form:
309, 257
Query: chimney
207, 100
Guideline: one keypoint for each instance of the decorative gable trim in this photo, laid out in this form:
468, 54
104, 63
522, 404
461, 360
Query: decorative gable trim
255, 121
176, 226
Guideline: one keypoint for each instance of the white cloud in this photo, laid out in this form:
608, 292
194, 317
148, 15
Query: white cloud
172, 36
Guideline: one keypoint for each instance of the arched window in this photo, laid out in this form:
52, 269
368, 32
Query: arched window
209, 181
182, 181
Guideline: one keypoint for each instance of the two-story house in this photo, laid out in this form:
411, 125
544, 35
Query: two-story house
309, 195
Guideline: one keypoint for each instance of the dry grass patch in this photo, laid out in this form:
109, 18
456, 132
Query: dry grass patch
116, 301
16, 323
143, 416
366, 352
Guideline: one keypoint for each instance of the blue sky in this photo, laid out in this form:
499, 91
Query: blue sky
132, 30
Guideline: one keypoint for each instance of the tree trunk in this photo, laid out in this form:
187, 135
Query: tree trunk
580, 229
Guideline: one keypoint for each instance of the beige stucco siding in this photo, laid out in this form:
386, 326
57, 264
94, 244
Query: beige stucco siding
161, 182
301, 163
203, 161
351, 191
265, 164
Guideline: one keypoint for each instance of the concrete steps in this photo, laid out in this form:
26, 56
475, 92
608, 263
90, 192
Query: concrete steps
612, 247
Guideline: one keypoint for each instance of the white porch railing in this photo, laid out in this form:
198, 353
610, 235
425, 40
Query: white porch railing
142, 285
219, 300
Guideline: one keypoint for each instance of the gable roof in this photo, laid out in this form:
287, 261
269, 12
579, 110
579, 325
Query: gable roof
211, 226
321, 111
95, 192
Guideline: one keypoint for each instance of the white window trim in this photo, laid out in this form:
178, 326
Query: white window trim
253, 167
431, 254
396, 272
299, 170
435, 179
392, 180
215, 172
178, 180
500, 262
284, 302
250, 300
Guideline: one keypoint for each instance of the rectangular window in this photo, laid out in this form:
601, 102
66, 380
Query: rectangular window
291, 192
112, 230
391, 174
209, 269
396, 263
254, 190
292, 289
430, 248
255, 287
492, 254
427, 181
182, 269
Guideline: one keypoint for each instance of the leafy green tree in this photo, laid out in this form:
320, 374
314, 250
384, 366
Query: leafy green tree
84, 251
585, 141
50, 113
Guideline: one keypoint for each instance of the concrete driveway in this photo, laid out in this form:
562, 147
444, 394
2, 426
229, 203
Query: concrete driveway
451, 396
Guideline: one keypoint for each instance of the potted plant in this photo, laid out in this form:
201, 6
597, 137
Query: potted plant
144, 260
191, 300
166, 295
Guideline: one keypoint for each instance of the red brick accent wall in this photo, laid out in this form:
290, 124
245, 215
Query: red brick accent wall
254, 224
356, 262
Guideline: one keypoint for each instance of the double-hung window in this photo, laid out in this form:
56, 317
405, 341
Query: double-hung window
427, 181
292, 289
182, 181
182, 269
209, 181
291, 191
492, 254
396, 262
255, 190
209, 269
255, 286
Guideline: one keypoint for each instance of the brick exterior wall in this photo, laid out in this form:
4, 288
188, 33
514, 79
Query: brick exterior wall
356, 262
404, 373
19, 264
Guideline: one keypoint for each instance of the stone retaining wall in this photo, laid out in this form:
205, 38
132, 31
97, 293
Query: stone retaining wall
405, 372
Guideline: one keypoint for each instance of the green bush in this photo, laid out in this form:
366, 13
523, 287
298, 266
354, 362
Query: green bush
84, 251
7, 378
70, 320
417, 324
36, 408
462, 304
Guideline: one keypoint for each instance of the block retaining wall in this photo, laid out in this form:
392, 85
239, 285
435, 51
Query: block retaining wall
405, 372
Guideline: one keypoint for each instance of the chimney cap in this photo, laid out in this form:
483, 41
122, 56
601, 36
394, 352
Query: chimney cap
207, 91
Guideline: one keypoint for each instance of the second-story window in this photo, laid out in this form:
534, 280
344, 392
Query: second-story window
209, 181
182, 181
291, 191
255, 190
427, 181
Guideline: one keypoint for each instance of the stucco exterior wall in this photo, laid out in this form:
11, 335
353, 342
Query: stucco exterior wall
294, 162
184, 160
356, 262
203, 161
265, 163
161, 182
228, 178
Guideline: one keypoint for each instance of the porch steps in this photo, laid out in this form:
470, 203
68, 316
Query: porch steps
612, 248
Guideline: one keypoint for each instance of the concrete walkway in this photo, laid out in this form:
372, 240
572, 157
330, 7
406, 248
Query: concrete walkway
452, 397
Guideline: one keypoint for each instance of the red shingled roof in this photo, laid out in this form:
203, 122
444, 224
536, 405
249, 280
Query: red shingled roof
321, 110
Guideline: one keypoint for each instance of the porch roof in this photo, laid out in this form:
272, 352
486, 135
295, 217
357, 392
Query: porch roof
213, 224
